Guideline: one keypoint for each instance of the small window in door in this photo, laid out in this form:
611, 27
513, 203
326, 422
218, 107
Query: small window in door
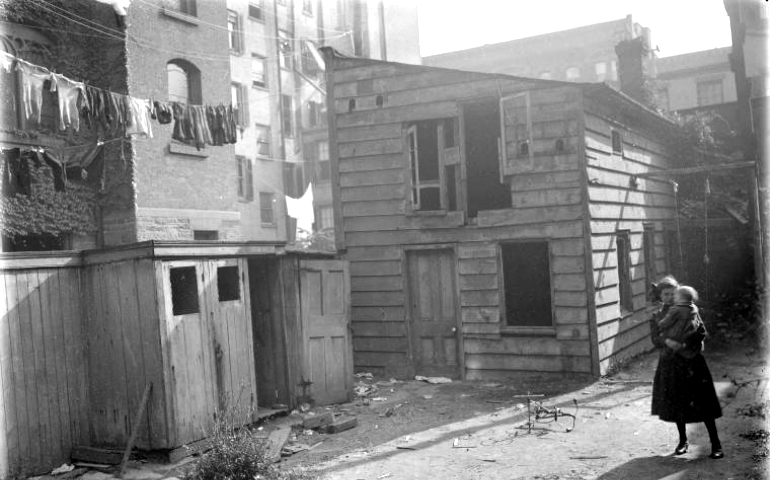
527, 284
184, 290
227, 284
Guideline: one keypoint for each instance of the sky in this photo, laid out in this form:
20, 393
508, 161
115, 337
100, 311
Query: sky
677, 26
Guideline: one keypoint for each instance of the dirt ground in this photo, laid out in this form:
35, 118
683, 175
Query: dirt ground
478, 429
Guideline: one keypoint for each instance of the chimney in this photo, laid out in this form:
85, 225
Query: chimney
632, 56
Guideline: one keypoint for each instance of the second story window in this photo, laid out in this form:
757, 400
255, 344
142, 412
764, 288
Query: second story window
258, 71
234, 32
600, 68
709, 93
245, 178
184, 82
307, 7
617, 143
431, 178
263, 140
266, 201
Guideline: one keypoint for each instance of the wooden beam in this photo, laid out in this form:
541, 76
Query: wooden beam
698, 169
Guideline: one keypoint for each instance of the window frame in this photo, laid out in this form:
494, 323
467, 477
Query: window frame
307, 7
285, 50
193, 79
530, 154
240, 103
245, 178
235, 35
267, 212
519, 329
188, 7
261, 59
617, 146
258, 128
703, 98
260, 6
625, 288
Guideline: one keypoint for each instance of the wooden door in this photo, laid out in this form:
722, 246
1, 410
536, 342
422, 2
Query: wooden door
325, 302
230, 320
188, 352
433, 313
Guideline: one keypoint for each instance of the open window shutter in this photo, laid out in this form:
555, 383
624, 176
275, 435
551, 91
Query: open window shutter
243, 107
515, 126
239, 167
414, 164
249, 181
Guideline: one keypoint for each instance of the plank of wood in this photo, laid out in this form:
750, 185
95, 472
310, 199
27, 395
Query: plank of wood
342, 424
106, 456
193, 448
276, 440
135, 429
34, 413
51, 342
6, 383
131, 331
312, 422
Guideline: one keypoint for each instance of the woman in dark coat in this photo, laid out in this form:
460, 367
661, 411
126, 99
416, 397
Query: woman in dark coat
682, 391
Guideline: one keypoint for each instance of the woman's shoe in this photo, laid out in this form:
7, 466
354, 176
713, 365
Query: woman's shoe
681, 448
716, 453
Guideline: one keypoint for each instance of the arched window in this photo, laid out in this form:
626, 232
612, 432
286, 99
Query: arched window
184, 82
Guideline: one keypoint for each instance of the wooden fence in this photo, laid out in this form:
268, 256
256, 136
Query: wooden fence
44, 402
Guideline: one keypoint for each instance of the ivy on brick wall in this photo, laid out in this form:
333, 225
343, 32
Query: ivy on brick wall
47, 211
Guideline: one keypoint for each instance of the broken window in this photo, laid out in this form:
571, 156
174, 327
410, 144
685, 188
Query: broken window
623, 244
527, 284
228, 286
184, 290
434, 164
617, 143
485, 187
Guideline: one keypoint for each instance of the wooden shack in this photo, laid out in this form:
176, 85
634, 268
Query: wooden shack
494, 224
213, 327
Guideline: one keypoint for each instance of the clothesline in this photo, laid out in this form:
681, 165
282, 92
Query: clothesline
196, 124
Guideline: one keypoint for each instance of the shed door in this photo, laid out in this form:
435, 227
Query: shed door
188, 354
233, 355
433, 318
325, 302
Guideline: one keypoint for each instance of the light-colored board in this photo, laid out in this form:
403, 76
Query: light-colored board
637, 334
478, 266
22, 438
390, 176
544, 180
131, 333
375, 268
479, 282
52, 344
480, 298
380, 328
374, 192
364, 254
36, 415
570, 299
607, 295
568, 264
392, 283
370, 208
601, 176
611, 211
564, 217
569, 282
380, 344
541, 363
546, 198
407, 113
480, 314
513, 345
9, 440
632, 197
368, 148
369, 132
372, 163
569, 315
572, 332
377, 299
477, 250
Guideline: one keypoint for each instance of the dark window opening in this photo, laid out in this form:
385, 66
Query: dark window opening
379, 100
617, 143
524, 148
624, 271
184, 290
351, 104
434, 184
559, 145
255, 10
37, 242
228, 286
205, 235
482, 131
527, 282
189, 7
450, 138
287, 115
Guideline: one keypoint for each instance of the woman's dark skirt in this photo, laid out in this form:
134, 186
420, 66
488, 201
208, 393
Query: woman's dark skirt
683, 390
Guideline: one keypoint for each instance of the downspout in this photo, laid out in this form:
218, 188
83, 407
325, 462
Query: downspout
383, 45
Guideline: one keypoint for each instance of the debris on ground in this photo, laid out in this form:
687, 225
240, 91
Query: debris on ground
64, 468
367, 375
341, 424
312, 421
420, 378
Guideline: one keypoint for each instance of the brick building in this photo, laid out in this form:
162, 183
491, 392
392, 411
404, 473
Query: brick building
258, 55
585, 54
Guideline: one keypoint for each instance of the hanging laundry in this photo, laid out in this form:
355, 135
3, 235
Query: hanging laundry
302, 209
16, 175
6, 62
59, 172
32, 80
119, 6
162, 112
139, 118
69, 100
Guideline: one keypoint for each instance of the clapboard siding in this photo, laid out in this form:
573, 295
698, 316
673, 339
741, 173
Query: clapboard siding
619, 201
575, 197
42, 348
